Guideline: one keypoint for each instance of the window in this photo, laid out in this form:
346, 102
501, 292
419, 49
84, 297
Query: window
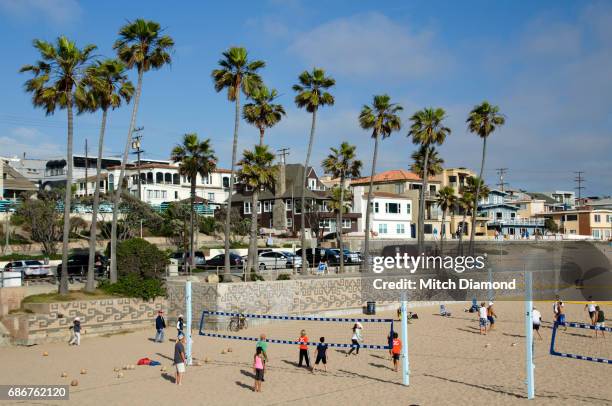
376, 207
432, 188
408, 208
400, 229
267, 206
571, 217
399, 188
289, 204
596, 234
312, 184
427, 228
207, 180
247, 207
226, 181
498, 215
609, 218
512, 215
382, 228
598, 218
258, 207
289, 222
175, 195
346, 223
324, 223
248, 188
452, 179
394, 208
211, 197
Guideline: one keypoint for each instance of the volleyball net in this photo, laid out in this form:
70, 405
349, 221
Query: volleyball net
281, 329
582, 342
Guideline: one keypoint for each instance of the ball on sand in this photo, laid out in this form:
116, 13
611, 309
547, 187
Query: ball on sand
45, 354
83, 371
64, 374
513, 344
120, 375
74, 382
116, 369
229, 349
163, 369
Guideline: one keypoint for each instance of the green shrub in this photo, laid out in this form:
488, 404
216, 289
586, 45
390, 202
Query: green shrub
18, 257
140, 257
256, 277
283, 277
238, 244
132, 285
287, 245
208, 225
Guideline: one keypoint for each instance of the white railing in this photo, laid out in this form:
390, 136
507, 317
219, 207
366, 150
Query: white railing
519, 222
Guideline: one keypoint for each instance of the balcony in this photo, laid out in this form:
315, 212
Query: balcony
519, 222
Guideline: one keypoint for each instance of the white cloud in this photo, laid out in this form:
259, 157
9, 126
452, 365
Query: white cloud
53, 11
31, 141
370, 45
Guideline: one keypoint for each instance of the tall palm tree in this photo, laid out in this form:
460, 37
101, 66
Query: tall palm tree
195, 157
258, 172
483, 120
476, 189
263, 113
311, 94
434, 161
382, 118
465, 203
427, 129
341, 163
141, 45
56, 78
446, 200
236, 74
106, 87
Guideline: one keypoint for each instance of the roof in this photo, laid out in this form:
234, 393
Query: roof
16, 181
91, 178
391, 176
541, 196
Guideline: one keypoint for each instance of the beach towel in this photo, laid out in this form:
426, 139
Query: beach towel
154, 363
144, 361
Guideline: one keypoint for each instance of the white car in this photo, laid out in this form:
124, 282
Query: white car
278, 260
28, 267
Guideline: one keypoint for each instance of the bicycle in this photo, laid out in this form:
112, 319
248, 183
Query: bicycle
238, 323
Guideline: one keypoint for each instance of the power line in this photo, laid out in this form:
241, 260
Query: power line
501, 172
283, 152
579, 179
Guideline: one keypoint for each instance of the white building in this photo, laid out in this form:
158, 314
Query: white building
391, 215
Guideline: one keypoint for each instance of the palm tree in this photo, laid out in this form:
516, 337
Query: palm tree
56, 78
446, 200
258, 172
106, 87
434, 161
483, 120
465, 203
476, 189
140, 44
382, 118
341, 163
311, 94
237, 74
195, 157
263, 113
426, 130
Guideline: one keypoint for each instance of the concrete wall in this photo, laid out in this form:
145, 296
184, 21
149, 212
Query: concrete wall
10, 299
97, 317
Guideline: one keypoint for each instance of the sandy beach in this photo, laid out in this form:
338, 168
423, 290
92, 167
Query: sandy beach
450, 364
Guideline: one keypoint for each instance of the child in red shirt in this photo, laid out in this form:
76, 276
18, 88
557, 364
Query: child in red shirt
395, 351
303, 340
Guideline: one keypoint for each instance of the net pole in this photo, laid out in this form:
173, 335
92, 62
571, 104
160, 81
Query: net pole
188, 317
529, 336
405, 359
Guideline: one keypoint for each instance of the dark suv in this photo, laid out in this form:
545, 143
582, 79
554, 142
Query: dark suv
314, 256
78, 263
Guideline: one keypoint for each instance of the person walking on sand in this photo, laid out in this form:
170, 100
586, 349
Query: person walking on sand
180, 324
395, 351
536, 319
482, 318
160, 325
76, 332
561, 313
258, 369
600, 320
356, 339
263, 344
303, 340
321, 355
179, 359
556, 309
591, 308
491, 316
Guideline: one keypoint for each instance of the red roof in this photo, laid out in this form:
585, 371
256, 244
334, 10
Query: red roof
386, 194
390, 176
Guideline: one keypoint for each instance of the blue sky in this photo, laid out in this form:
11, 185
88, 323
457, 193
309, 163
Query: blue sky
547, 64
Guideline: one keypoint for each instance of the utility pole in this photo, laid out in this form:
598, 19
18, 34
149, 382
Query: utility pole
501, 172
579, 179
86, 165
283, 152
136, 144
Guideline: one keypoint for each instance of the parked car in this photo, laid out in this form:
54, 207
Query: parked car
351, 257
217, 261
183, 258
78, 263
28, 268
314, 256
278, 260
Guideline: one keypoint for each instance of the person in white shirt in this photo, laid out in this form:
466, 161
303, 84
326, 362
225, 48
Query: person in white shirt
536, 318
482, 318
591, 308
